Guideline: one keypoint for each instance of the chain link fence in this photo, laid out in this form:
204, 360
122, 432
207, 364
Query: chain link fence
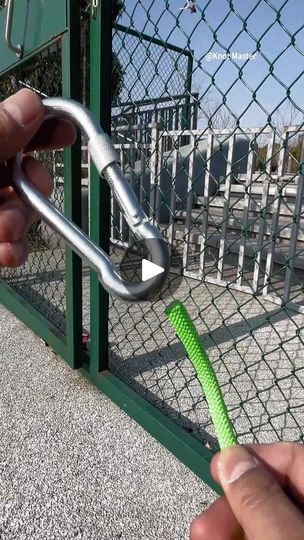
41, 280
208, 119
226, 189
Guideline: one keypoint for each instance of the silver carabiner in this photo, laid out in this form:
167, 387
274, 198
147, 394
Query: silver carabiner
104, 156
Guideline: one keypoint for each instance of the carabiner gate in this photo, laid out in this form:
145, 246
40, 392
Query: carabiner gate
105, 158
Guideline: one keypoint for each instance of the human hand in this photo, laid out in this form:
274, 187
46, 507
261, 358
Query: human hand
22, 127
264, 495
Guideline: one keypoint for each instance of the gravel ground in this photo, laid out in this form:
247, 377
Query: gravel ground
73, 465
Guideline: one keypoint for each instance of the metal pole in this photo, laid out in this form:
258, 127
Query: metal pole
71, 88
100, 207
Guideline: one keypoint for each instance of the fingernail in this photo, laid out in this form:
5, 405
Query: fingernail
233, 462
24, 107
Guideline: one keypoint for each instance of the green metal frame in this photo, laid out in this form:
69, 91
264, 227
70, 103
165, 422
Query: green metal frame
151, 39
94, 365
174, 438
100, 104
180, 443
50, 21
72, 187
55, 21
33, 319
171, 47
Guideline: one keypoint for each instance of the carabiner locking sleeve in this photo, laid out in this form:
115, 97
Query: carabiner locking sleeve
106, 161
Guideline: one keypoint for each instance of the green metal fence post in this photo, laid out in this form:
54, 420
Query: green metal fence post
71, 87
100, 104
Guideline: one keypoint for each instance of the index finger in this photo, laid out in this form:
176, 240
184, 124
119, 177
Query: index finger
55, 133
21, 115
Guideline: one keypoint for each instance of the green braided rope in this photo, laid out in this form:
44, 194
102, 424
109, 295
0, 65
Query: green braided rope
186, 331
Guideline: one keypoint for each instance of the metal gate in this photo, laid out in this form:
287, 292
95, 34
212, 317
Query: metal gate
228, 195
44, 292
228, 198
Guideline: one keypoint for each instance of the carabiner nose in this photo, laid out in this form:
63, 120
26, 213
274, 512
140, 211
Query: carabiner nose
106, 161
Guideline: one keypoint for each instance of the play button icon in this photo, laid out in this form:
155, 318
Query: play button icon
136, 266
150, 270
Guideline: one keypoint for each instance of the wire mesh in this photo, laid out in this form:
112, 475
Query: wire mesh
152, 72
227, 192
41, 280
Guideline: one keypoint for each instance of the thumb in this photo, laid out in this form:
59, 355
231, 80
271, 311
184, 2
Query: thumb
21, 115
256, 498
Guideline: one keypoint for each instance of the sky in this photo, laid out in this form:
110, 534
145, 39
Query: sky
216, 27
